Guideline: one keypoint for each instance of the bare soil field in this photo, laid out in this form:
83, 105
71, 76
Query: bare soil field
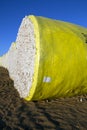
57, 114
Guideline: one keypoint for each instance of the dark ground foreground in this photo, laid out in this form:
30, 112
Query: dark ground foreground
58, 114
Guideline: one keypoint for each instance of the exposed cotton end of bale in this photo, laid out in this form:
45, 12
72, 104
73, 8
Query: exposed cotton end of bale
22, 67
7, 59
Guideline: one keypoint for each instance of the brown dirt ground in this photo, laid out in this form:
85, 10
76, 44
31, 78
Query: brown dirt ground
58, 114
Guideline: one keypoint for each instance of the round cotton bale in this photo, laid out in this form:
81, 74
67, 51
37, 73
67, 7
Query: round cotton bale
50, 59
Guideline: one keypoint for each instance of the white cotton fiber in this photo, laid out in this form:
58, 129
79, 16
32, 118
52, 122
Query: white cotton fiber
24, 58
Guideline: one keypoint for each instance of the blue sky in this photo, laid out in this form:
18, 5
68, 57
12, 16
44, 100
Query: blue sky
13, 11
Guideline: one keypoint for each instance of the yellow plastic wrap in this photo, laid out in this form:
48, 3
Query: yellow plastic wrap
61, 59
